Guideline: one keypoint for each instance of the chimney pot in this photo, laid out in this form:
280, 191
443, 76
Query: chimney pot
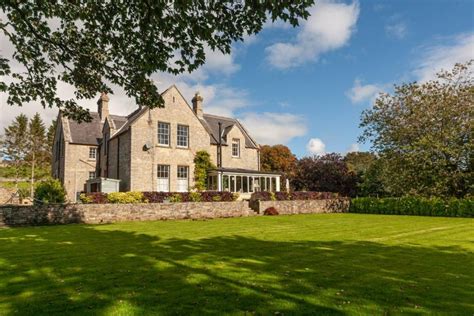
197, 105
103, 106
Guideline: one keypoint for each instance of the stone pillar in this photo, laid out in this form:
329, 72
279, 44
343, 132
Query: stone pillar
219, 182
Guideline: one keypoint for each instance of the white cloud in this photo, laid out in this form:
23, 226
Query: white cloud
361, 93
438, 57
316, 146
353, 148
329, 27
274, 128
396, 30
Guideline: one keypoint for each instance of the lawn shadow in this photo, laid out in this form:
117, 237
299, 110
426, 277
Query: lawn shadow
79, 269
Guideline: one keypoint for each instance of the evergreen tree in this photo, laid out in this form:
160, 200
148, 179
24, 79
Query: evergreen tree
50, 137
38, 146
15, 143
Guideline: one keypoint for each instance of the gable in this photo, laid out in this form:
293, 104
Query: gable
227, 125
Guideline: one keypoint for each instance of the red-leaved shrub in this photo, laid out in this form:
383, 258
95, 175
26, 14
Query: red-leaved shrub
270, 211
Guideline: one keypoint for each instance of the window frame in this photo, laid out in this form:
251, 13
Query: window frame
235, 141
178, 136
95, 153
90, 173
169, 134
178, 172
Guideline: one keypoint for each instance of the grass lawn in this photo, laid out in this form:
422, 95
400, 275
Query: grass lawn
304, 264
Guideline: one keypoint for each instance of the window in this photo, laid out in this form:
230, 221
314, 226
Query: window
92, 152
183, 136
182, 183
91, 174
163, 174
236, 148
163, 134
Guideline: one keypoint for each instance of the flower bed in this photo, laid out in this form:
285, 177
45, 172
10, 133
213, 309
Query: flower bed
288, 196
157, 197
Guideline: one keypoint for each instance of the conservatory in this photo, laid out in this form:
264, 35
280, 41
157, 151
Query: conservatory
243, 181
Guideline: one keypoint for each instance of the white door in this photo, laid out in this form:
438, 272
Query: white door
163, 181
182, 182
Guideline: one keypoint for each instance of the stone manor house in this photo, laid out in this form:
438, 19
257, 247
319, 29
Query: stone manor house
154, 149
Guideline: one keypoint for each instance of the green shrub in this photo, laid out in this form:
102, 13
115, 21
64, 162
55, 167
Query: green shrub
23, 192
195, 196
411, 205
202, 165
176, 198
84, 198
218, 198
235, 196
125, 197
49, 191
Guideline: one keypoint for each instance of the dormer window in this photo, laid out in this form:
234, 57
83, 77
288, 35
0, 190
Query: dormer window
92, 153
236, 148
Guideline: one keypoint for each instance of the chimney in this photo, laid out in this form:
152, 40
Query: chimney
197, 105
103, 106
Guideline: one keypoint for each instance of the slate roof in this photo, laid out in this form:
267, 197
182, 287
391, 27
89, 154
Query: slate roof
211, 123
90, 133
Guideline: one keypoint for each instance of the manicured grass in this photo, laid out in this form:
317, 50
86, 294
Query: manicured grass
303, 264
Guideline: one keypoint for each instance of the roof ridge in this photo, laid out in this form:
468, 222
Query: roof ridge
220, 116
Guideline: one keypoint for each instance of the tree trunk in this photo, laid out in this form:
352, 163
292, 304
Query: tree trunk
32, 175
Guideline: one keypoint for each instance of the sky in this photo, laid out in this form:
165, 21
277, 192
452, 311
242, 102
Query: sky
306, 87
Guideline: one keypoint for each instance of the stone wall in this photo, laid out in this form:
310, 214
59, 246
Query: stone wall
17, 215
304, 206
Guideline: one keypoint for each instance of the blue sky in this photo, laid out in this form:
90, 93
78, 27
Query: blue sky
306, 87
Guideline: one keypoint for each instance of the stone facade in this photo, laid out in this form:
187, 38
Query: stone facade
71, 163
304, 206
143, 173
248, 158
128, 149
16, 215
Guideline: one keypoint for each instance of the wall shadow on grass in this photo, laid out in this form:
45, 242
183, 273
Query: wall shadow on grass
79, 269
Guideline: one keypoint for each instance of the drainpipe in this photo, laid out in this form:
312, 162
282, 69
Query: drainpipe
219, 147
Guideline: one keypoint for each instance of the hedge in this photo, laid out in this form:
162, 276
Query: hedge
286, 196
157, 197
413, 206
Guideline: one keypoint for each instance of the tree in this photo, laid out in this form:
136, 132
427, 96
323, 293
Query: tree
37, 146
50, 138
93, 44
368, 169
49, 191
202, 165
278, 158
359, 162
423, 133
370, 182
15, 143
328, 173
